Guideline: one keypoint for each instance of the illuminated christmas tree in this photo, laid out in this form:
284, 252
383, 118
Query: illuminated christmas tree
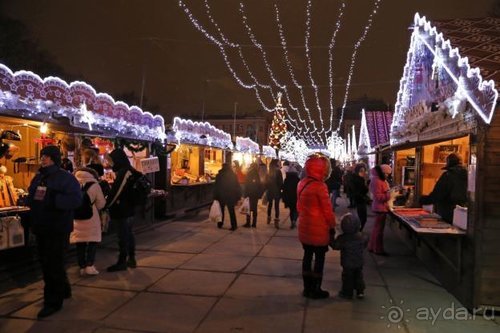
278, 125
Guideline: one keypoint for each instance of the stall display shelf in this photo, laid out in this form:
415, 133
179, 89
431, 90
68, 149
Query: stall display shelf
411, 217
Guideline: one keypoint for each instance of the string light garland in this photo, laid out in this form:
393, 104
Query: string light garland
330, 60
305, 128
309, 65
353, 58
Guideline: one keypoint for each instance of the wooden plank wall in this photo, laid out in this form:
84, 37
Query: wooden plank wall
487, 228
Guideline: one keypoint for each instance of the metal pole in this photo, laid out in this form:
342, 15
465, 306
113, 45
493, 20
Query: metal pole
234, 120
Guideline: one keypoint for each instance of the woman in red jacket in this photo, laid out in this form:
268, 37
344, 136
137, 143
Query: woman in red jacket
316, 218
379, 188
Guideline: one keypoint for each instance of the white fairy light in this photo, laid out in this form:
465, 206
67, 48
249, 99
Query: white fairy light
330, 60
353, 58
309, 65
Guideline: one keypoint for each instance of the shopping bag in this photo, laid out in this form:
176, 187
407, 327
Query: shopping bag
245, 207
16, 231
105, 218
264, 199
215, 214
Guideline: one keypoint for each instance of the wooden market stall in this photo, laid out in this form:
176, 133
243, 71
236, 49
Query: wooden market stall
245, 152
191, 168
36, 112
448, 104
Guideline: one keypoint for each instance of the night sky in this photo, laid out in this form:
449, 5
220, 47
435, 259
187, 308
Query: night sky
112, 43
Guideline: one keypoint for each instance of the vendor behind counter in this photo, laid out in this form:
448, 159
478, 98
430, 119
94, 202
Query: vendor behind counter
450, 189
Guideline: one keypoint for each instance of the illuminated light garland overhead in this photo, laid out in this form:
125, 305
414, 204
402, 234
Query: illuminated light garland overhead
298, 125
353, 58
290, 68
220, 44
309, 65
268, 66
330, 60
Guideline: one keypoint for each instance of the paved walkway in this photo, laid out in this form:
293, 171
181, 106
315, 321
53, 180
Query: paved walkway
193, 277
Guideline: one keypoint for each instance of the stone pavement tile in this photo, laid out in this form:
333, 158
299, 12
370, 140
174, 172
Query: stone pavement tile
266, 287
20, 297
462, 322
285, 231
217, 262
283, 247
153, 312
25, 325
412, 299
132, 279
333, 272
86, 304
234, 247
275, 267
190, 243
114, 330
410, 279
400, 262
375, 298
326, 319
194, 283
239, 315
253, 236
162, 259
152, 238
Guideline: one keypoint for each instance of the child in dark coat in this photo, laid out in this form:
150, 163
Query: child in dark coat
351, 244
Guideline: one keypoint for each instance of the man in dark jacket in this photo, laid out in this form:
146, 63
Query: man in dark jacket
121, 206
253, 190
334, 182
450, 189
53, 195
359, 192
351, 244
227, 192
290, 194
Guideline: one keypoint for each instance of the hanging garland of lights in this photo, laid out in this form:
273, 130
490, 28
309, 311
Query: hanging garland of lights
298, 126
278, 126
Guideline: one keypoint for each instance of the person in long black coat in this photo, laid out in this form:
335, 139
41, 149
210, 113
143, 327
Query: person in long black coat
359, 192
253, 190
289, 194
450, 189
274, 183
228, 193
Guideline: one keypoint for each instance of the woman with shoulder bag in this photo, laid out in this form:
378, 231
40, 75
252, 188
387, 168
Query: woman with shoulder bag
87, 232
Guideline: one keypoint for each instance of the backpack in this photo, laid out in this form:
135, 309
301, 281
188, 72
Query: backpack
85, 211
140, 189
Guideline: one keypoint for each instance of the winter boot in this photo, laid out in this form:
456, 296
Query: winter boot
294, 225
308, 286
121, 264
247, 225
268, 219
277, 223
131, 262
317, 292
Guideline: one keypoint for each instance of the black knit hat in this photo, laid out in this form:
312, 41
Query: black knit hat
53, 152
452, 160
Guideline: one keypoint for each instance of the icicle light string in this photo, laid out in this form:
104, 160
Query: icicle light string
288, 62
330, 61
220, 44
226, 41
353, 58
254, 41
309, 65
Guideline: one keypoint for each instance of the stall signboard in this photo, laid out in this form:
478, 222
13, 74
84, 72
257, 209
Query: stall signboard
150, 165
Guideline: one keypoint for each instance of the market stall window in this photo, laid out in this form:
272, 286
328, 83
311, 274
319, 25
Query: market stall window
434, 159
188, 165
